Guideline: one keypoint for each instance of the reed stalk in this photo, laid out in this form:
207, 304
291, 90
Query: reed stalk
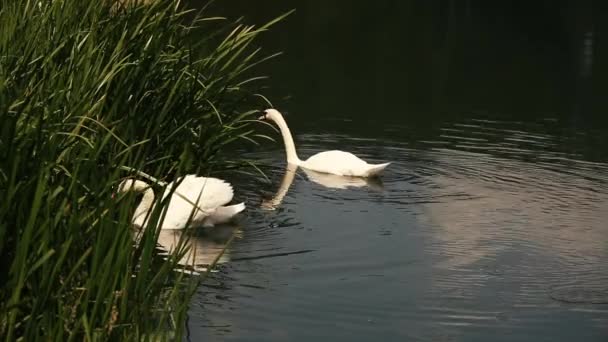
88, 88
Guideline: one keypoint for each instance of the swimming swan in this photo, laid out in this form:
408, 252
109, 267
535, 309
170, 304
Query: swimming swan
333, 162
210, 195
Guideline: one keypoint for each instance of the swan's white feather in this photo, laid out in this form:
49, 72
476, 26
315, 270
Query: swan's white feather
213, 192
200, 200
336, 162
207, 193
223, 214
342, 164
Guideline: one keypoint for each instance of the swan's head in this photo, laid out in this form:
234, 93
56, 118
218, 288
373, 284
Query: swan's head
270, 114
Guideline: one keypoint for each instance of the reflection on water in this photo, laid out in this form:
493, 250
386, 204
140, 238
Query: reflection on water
490, 228
530, 227
327, 180
343, 182
203, 248
490, 225
275, 201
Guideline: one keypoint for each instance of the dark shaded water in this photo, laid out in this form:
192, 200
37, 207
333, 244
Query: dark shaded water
492, 222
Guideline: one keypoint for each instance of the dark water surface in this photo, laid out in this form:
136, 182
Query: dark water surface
492, 222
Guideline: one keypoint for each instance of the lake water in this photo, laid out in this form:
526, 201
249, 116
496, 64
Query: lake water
492, 222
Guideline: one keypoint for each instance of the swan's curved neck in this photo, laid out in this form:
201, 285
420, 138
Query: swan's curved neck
140, 217
290, 147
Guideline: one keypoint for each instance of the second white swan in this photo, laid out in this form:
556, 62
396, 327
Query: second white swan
210, 195
333, 162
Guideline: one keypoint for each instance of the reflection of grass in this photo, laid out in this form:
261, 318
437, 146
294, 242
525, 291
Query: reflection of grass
86, 87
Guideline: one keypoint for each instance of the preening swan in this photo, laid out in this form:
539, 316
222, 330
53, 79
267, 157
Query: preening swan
334, 162
210, 195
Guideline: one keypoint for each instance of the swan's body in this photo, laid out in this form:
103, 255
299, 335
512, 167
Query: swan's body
202, 198
333, 162
342, 164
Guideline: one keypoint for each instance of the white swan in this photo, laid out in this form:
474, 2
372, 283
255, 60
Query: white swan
209, 195
334, 162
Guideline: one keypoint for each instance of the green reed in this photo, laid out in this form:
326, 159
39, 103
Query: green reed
88, 88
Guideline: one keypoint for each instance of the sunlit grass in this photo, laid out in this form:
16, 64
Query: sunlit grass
86, 89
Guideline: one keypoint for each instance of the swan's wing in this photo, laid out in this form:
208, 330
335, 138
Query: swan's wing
336, 162
206, 193
213, 192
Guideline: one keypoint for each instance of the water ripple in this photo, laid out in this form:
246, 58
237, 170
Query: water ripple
490, 225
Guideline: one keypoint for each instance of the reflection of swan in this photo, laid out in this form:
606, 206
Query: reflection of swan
334, 162
202, 251
209, 195
324, 179
274, 202
343, 182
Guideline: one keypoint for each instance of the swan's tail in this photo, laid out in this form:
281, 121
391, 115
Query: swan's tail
223, 214
375, 169
232, 209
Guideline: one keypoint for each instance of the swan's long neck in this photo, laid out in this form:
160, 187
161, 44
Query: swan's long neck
143, 211
290, 146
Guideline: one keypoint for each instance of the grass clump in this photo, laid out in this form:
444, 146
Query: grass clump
86, 88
